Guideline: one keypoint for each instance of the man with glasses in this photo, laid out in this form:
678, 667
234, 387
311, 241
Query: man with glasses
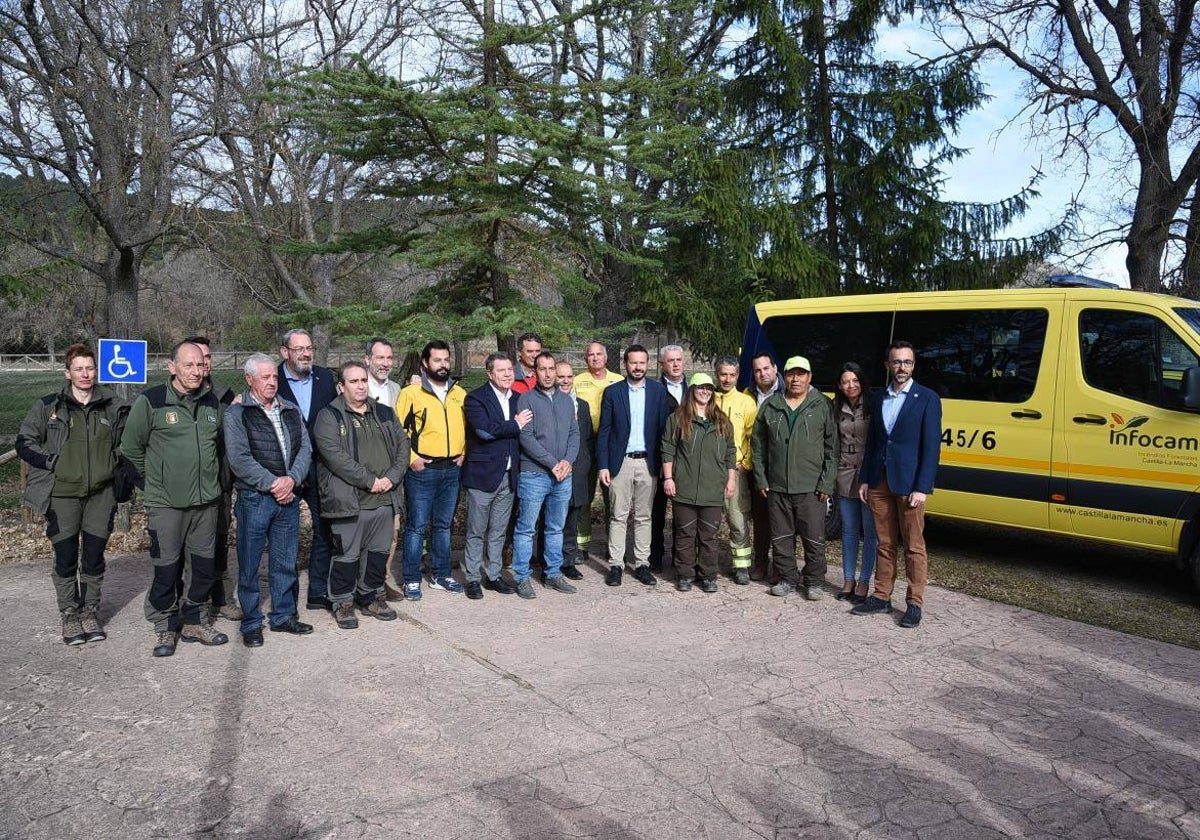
311, 387
903, 447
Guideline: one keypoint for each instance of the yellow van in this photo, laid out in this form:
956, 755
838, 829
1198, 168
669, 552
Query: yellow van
1068, 410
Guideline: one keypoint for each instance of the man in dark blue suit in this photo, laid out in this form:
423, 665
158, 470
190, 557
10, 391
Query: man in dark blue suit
489, 473
633, 415
901, 460
311, 387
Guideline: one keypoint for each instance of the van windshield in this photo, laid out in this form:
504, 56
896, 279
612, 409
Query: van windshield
1192, 316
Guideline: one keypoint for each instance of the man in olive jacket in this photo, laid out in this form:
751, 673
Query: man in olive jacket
362, 455
794, 448
173, 439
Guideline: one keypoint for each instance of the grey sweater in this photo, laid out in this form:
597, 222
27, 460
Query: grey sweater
552, 435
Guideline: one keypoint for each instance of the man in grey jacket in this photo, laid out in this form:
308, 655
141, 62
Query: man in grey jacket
268, 451
362, 454
549, 445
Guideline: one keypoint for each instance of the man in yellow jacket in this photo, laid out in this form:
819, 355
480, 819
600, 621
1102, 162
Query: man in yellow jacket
431, 412
741, 410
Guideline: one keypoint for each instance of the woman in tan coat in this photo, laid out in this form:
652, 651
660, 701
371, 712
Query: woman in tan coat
852, 407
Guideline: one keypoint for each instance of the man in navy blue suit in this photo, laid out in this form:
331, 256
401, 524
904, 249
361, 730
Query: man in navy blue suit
898, 469
489, 473
633, 415
311, 387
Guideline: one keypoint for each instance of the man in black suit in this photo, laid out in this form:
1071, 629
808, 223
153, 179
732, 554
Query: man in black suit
633, 415
489, 473
311, 387
670, 370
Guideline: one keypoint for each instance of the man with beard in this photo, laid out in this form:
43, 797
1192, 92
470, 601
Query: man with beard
904, 443
173, 438
311, 387
379, 359
432, 414
633, 415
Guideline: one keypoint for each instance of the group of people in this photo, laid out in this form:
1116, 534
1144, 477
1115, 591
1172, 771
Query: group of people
529, 447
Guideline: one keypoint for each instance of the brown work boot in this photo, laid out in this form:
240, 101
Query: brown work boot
232, 612
72, 628
91, 626
379, 609
205, 634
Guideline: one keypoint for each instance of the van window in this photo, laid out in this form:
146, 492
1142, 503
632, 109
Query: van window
992, 355
1135, 355
830, 340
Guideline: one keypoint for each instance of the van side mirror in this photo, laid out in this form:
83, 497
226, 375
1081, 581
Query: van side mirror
1191, 389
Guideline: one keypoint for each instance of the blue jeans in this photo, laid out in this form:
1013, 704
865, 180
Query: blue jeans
535, 489
260, 519
430, 497
857, 521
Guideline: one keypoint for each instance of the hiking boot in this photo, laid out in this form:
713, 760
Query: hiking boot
559, 583
73, 632
813, 593
379, 609
525, 589
231, 612
205, 634
164, 643
708, 585
741, 577
782, 588
91, 626
343, 614
684, 584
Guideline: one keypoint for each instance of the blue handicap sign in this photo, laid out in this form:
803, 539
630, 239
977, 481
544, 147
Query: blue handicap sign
122, 360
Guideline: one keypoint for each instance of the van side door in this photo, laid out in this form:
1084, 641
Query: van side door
994, 368
1132, 454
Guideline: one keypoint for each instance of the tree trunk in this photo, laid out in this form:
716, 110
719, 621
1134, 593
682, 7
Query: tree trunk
1190, 281
121, 280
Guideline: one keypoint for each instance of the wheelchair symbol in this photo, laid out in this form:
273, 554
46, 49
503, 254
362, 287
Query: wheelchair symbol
119, 368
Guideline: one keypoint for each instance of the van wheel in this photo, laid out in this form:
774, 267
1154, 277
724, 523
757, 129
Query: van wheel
833, 520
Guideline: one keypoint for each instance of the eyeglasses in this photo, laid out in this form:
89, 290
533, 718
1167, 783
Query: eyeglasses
901, 362
307, 349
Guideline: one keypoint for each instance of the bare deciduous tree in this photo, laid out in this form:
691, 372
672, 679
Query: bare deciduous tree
1095, 66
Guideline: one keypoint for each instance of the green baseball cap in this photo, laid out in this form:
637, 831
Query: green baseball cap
797, 362
699, 379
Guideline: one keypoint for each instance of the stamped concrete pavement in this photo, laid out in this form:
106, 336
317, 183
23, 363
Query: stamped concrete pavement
612, 713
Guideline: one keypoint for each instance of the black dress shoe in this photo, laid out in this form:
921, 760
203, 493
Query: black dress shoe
642, 575
294, 626
252, 638
844, 596
572, 573
473, 589
500, 586
319, 602
613, 578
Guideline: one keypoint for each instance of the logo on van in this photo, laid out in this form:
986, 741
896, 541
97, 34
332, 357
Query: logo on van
1121, 433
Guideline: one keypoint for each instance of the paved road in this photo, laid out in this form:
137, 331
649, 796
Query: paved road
629, 713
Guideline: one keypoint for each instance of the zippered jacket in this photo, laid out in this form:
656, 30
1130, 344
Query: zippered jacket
71, 448
435, 429
701, 465
340, 475
174, 441
799, 458
252, 447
